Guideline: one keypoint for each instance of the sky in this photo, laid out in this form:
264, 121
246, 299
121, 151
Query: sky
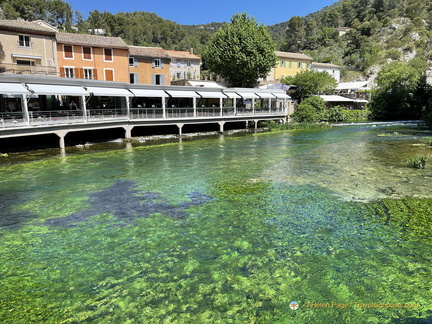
196, 12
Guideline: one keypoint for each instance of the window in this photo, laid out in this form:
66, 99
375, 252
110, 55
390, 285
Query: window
282, 63
88, 74
108, 53
157, 63
179, 75
299, 65
87, 54
133, 61
158, 79
68, 51
24, 41
178, 63
25, 62
69, 72
188, 63
133, 78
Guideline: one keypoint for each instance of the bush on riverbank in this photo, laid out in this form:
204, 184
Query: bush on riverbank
356, 115
314, 110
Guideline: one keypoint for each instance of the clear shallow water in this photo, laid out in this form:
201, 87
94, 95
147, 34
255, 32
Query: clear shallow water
223, 230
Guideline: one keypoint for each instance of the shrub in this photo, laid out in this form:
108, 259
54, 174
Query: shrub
356, 115
418, 162
334, 114
310, 110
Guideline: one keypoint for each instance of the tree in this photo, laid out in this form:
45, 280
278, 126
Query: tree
310, 82
241, 51
396, 84
310, 110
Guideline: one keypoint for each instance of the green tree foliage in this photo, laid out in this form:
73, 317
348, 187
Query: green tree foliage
310, 82
241, 52
310, 110
392, 98
364, 45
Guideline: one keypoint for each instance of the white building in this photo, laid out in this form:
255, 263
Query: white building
332, 69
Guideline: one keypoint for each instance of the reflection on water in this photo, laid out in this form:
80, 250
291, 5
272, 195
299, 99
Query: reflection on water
228, 229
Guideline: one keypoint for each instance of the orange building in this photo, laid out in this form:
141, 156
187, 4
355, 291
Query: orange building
92, 57
149, 65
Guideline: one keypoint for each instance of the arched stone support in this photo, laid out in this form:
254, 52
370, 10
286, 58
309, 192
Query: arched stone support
128, 131
61, 135
221, 126
180, 126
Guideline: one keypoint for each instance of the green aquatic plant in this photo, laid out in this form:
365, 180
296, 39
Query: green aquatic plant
390, 134
417, 162
272, 125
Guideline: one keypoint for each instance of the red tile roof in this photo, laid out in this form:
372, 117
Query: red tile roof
183, 55
31, 27
157, 52
90, 40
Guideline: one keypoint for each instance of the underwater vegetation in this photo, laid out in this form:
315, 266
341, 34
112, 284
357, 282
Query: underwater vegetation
212, 231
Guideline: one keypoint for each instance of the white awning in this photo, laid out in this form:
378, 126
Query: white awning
183, 94
265, 95
333, 98
211, 94
49, 89
12, 88
352, 85
149, 93
281, 95
232, 95
247, 95
109, 92
34, 57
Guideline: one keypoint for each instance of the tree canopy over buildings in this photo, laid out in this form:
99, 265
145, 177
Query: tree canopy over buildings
241, 52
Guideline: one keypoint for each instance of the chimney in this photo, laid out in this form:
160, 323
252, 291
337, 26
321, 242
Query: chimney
191, 50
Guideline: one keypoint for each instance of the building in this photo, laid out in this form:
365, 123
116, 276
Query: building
148, 65
288, 64
92, 57
332, 69
28, 47
184, 66
342, 30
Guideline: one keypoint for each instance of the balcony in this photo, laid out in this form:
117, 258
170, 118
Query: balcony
28, 69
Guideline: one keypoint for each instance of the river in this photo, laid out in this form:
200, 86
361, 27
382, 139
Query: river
224, 229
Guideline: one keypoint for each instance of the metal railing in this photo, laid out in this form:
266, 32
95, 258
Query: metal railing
27, 69
146, 113
107, 114
51, 117
11, 119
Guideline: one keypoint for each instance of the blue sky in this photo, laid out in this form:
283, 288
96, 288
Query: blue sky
195, 12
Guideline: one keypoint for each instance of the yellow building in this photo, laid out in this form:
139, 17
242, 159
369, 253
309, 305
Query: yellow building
28, 47
149, 65
289, 64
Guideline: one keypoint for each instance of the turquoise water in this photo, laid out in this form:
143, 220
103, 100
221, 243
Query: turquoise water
223, 230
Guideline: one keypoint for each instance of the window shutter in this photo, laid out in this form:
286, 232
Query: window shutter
95, 75
80, 73
136, 78
153, 78
62, 72
153, 63
135, 61
162, 79
162, 63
